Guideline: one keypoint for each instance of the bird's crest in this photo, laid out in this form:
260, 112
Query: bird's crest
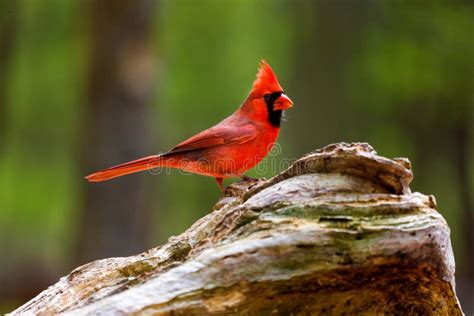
266, 81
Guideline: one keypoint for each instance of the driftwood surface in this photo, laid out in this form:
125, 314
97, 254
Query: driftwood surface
339, 232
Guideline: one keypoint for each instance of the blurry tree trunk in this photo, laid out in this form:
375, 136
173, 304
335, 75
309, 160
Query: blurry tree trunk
8, 25
326, 45
117, 127
462, 160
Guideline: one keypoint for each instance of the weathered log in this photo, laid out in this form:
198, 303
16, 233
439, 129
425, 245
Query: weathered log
339, 232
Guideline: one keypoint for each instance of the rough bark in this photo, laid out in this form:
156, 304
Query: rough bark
339, 232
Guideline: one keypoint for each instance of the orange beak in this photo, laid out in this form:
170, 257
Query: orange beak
283, 103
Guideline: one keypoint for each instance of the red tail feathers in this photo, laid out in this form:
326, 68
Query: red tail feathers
126, 168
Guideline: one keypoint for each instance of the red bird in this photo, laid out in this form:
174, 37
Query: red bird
229, 148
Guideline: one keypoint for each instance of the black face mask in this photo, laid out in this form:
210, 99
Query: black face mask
274, 116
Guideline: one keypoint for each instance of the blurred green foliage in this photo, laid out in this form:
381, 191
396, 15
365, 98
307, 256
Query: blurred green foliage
405, 87
38, 184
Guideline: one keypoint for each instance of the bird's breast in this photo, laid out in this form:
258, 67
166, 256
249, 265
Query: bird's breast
237, 159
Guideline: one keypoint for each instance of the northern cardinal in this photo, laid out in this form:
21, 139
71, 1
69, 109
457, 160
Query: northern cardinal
229, 148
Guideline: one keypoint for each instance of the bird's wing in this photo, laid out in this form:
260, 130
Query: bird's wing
217, 136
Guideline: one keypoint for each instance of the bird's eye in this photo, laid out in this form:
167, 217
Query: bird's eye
267, 97
276, 95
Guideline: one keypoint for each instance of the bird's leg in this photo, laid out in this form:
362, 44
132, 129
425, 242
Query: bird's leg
247, 178
219, 183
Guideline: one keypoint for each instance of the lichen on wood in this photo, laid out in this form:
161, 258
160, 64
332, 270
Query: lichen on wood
338, 232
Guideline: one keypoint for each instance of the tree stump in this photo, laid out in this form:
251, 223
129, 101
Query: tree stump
337, 233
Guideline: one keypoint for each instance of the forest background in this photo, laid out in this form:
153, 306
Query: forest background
88, 84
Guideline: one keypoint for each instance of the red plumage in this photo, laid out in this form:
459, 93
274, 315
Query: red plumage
229, 148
